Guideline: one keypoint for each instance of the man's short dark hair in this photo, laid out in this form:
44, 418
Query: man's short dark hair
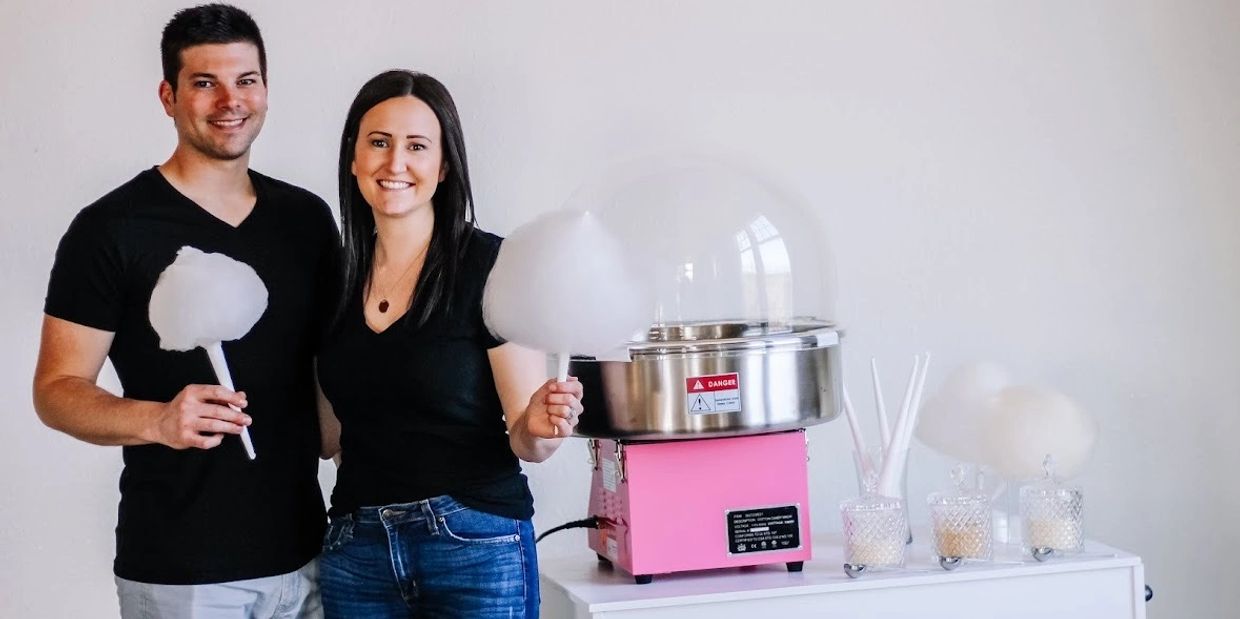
209, 23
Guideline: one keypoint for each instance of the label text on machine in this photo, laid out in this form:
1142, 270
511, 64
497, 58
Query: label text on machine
764, 529
717, 393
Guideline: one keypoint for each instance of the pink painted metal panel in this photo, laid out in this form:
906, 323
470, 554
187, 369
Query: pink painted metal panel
670, 512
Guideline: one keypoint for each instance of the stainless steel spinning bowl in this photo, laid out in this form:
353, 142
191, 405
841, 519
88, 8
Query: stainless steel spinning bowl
788, 378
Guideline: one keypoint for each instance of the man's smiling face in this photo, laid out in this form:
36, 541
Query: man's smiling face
219, 101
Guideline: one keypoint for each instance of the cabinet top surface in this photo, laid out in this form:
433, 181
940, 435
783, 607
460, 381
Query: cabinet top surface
604, 587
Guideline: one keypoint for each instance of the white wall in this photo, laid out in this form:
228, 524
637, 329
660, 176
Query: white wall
1051, 185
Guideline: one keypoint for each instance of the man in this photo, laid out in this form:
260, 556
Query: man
201, 526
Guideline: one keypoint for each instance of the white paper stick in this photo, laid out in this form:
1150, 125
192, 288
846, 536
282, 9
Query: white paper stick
561, 365
215, 352
893, 465
883, 427
904, 434
854, 427
915, 411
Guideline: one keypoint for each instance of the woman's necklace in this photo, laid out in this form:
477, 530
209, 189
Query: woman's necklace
383, 296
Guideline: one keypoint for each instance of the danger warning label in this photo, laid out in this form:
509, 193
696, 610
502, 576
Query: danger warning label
718, 393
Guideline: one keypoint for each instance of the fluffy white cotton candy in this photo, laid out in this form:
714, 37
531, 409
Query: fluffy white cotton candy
202, 299
952, 420
1027, 423
564, 284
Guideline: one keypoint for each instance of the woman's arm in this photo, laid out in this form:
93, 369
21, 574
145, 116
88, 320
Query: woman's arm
329, 426
537, 423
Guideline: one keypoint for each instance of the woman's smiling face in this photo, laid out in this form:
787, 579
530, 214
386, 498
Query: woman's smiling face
398, 157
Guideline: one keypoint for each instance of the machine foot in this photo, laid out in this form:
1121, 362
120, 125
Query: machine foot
644, 579
1042, 554
796, 566
604, 562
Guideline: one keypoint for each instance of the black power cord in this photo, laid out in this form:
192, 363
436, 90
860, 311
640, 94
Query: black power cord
585, 523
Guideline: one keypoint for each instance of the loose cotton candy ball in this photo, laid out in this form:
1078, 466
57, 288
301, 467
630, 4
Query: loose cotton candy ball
564, 284
1027, 423
202, 298
951, 420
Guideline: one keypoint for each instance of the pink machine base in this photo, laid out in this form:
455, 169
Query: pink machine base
674, 506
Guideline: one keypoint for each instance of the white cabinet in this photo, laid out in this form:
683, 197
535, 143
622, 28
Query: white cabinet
1102, 583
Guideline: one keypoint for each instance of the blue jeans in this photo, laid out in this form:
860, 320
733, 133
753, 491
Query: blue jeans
432, 558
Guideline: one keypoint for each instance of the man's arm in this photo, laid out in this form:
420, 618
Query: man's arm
67, 398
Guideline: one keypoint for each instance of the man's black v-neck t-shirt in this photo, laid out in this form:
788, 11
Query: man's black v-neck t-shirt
198, 516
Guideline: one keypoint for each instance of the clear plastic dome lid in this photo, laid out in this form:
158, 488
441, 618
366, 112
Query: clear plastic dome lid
720, 243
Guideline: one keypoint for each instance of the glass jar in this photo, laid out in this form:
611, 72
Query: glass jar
875, 530
1052, 514
961, 521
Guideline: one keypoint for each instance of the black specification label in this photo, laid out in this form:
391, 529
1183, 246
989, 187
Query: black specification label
764, 529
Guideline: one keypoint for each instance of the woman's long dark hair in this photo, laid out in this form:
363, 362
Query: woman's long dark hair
453, 201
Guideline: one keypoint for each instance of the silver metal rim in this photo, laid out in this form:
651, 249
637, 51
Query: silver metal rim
802, 336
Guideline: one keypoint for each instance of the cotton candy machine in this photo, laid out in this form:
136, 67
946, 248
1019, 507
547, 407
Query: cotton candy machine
696, 427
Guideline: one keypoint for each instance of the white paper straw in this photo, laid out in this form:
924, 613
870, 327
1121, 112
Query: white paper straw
884, 428
915, 411
561, 365
854, 427
215, 352
898, 454
893, 464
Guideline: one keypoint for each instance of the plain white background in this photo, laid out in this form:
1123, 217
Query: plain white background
1051, 185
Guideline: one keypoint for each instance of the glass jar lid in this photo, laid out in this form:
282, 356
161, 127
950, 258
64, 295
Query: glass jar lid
964, 493
1049, 487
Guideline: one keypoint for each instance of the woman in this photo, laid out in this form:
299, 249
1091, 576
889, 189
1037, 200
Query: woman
430, 513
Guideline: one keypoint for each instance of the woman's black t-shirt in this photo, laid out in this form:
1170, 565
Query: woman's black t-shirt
419, 413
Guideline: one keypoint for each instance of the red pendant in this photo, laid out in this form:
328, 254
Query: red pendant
383, 305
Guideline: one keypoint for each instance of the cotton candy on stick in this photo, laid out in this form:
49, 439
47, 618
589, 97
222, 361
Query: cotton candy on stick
1027, 423
953, 420
564, 284
202, 300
